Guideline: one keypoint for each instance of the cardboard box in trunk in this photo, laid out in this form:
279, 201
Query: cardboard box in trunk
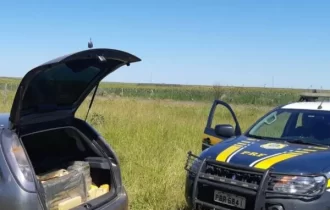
62, 187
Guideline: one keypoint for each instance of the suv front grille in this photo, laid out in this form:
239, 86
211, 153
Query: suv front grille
213, 175
225, 173
233, 174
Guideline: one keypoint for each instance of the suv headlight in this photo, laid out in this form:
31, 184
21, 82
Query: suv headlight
195, 165
298, 185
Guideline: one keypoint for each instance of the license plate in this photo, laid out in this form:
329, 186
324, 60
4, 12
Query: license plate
229, 199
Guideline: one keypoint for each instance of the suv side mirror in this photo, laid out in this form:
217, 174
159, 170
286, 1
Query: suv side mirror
224, 130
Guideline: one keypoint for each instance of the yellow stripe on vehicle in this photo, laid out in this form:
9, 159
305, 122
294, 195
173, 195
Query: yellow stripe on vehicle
227, 152
269, 162
328, 185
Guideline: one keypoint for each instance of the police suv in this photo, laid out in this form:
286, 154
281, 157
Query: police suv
282, 162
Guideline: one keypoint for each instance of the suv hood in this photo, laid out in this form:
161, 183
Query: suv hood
263, 154
56, 89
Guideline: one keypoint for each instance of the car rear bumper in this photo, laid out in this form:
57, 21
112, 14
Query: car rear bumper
118, 203
201, 186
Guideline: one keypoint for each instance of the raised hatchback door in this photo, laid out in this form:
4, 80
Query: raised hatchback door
215, 133
56, 89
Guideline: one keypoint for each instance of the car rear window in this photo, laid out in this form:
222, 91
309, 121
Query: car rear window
60, 85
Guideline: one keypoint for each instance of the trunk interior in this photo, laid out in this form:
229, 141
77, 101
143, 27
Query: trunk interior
57, 153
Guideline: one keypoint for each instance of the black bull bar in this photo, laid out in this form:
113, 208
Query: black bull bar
254, 186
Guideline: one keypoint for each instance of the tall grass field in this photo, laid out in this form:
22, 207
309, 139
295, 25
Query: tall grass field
152, 135
236, 95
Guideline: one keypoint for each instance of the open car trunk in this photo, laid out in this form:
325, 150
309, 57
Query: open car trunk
66, 164
70, 169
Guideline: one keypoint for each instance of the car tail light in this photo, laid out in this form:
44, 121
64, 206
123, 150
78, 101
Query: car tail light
21, 158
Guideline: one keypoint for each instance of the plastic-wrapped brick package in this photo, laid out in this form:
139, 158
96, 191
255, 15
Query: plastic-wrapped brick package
67, 186
84, 168
52, 174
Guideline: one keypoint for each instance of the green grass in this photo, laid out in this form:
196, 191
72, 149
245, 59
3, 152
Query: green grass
236, 95
151, 138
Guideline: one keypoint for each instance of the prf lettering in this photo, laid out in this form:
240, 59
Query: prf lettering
255, 154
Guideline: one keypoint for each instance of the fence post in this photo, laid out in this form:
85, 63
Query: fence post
4, 93
122, 92
151, 94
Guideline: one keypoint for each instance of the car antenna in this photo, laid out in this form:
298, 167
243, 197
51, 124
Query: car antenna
90, 43
320, 106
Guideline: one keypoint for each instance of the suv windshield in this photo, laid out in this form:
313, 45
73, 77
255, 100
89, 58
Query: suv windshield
302, 126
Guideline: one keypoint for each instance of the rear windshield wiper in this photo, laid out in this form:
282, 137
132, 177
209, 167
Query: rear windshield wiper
299, 141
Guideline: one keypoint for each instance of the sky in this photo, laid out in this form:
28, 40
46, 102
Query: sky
252, 43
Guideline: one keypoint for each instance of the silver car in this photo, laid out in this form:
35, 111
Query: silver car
50, 159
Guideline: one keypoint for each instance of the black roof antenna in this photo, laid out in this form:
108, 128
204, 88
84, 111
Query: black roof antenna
320, 106
90, 43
